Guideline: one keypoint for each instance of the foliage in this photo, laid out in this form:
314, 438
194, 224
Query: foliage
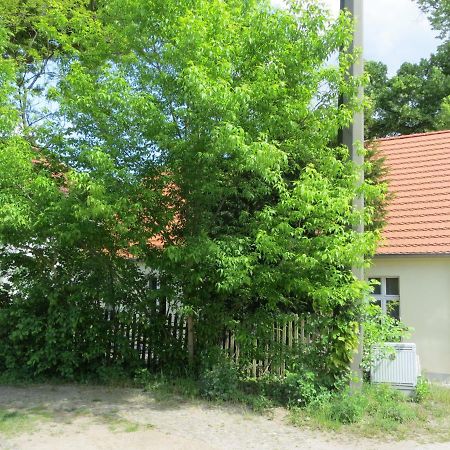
413, 100
378, 329
39, 34
295, 389
69, 227
382, 412
266, 217
207, 124
376, 171
142, 378
300, 387
220, 382
376, 410
423, 390
439, 14
444, 116
348, 408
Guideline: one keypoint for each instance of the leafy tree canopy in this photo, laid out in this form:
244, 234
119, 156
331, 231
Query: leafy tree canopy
439, 14
412, 101
212, 123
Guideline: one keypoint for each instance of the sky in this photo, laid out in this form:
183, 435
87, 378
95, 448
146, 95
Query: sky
395, 31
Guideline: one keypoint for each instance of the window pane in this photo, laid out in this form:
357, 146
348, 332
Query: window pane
377, 287
392, 286
393, 309
375, 301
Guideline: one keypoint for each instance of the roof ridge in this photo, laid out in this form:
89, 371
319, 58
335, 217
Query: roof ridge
407, 136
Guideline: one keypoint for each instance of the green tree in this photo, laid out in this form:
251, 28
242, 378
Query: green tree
248, 111
39, 34
72, 214
413, 100
444, 117
213, 124
439, 14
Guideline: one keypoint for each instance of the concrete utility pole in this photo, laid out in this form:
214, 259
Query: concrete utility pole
353, 138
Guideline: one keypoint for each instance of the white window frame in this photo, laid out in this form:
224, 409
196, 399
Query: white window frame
384, 298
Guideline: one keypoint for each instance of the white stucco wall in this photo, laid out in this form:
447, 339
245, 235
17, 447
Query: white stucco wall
424, 305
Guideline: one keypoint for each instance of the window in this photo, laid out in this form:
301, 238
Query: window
386, 294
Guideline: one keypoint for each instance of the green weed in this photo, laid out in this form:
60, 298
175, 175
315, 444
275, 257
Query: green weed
13, 421
380, 411
118, 424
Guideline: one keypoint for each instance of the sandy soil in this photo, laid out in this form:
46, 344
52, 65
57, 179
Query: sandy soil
91, 417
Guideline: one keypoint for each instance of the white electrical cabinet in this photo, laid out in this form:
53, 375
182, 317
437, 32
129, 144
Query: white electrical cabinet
400, 367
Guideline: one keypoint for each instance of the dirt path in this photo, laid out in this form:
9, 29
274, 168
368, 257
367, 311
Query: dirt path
91, 417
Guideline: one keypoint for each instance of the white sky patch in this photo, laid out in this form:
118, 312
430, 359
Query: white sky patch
395, 31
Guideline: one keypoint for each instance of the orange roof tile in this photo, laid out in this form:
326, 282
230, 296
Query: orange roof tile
418, 217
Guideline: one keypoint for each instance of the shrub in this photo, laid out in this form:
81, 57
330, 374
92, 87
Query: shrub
300, 388
113, 374
380, 394
422, 390
142, 378
259, 403
348, 408
220, 382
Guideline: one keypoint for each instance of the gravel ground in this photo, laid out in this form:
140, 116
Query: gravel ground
92, 417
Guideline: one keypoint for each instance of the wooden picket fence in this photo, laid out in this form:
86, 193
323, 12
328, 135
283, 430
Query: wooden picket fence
270, 355
154, 336
162, 335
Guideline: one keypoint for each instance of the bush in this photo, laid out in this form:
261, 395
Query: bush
113, 374
378, 409
142, 378
258, 404
348, 408
300, 388
423, 390
220, 382
43, 336
380, 394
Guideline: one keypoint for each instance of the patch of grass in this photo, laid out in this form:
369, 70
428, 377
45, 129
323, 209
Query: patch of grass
168, 390
380, 411
120, 424
188, 389
13, 421
258, 403
439, 395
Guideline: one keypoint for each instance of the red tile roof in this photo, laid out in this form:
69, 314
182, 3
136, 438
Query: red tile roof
418, 220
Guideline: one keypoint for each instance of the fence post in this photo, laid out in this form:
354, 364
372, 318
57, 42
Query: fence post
190, 339
255, 346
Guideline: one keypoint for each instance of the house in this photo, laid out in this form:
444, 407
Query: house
413, 261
